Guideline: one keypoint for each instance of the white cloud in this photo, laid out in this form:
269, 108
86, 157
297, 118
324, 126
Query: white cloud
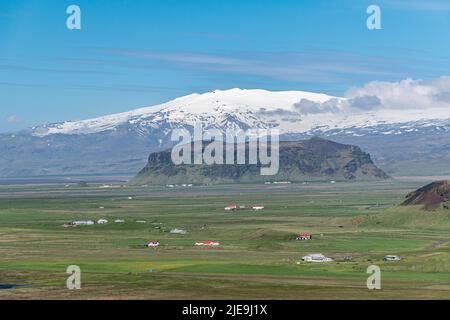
13, 119
406, 94
306, 106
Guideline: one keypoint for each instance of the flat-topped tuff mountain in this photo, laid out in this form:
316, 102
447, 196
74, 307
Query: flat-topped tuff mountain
313, 159
430, 197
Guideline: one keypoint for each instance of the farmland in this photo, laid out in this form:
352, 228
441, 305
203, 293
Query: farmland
258, 257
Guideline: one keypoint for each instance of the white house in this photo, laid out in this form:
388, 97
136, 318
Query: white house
83, 223
316, 257
392, 258
102, 221
178, 231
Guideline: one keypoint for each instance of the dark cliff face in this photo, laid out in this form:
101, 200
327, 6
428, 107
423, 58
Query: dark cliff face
320, 157
313, 159
431, 196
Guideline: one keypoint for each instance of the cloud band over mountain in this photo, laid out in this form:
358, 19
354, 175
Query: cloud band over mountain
406, 94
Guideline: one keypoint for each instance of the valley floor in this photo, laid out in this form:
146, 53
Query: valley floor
258, 257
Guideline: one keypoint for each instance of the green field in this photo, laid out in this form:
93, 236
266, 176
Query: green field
258, 258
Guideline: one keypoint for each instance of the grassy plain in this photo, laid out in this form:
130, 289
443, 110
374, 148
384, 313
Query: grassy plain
257, 259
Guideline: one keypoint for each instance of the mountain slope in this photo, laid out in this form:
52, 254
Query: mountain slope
314, 159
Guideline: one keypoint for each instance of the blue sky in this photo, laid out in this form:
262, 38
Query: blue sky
136, 53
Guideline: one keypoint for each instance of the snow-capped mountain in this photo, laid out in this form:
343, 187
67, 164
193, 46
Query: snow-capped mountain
289, 111
222, 109
400, 140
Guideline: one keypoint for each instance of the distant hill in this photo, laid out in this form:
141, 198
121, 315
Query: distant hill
425, 208
431, 196
313, 159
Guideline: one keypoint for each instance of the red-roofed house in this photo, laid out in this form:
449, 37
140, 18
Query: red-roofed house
208, 243
153, 244
231, 207
303, 236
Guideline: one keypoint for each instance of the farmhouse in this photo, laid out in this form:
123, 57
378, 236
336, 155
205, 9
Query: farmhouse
153, 244
303, 236
178, 231
392, 258
231, 207
207, 243
83, 223
316, 257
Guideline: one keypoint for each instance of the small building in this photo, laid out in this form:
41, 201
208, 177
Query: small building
303, 236
141, 221
178, 231
153, 244
282, 182
208, 243
392, 258
231, 207
83, 223
119, 221
316, 257
257, 207
102, 221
